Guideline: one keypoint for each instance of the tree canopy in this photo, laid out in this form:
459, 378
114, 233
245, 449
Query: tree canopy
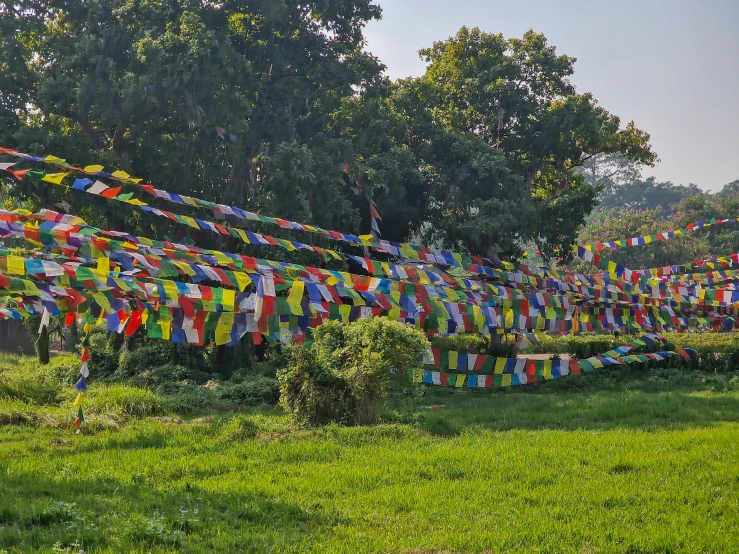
276, 106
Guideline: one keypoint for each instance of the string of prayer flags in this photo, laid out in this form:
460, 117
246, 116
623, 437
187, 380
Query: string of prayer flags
647, 239
81, 385
487, 372
422, 253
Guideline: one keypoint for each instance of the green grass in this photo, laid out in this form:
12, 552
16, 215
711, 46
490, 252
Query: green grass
622, 462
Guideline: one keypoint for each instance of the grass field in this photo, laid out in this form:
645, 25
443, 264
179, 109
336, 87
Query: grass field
625, 462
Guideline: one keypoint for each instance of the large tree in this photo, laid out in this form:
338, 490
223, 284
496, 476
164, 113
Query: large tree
144, 86
480, 153
648, 194
513, 96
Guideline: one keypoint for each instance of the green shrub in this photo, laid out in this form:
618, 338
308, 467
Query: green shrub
156, 362
225, 360
167, 373
257, 390
182, 398
475, 344
349, 367
311, 392
103, 359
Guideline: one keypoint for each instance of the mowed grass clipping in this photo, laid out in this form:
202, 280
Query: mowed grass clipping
621, 465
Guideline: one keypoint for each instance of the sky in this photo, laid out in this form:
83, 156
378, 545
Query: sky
671, 66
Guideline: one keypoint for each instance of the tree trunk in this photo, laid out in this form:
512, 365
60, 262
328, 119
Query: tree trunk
42, 346
73, 338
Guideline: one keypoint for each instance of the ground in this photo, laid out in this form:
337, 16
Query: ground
625, 463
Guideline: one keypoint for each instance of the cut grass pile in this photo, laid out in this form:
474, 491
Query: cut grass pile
619, 462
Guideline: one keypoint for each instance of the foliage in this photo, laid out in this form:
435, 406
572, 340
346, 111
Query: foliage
476, 344
718, 240
312, 393
255, 391
515, 97
647, 195
606, 172
618, 224
708, 342
104, 356
479, 153
348, 368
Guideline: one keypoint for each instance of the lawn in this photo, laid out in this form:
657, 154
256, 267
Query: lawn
626, 462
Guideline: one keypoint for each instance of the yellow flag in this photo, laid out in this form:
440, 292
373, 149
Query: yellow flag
547, 369
93, 168
170, 289
508, 319
166, 327
104, 266
243, 236
223, 329
190, 221
296, 296
78, 400
479, 317
30, 288
222, 259
229, 297
16, 265
243, 280
185, 267
500, 365
55, 178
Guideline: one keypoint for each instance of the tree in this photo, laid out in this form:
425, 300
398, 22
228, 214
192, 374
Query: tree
513, 96
609, 171
276, 106
712, 241
648, 195
143, 86
730, 189
617, 224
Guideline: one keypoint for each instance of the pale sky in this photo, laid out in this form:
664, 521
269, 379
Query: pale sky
671, 66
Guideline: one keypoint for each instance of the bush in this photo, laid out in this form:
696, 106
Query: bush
225, 360
475, 344
349, 367
184, 398
103, 359
311, 392
258, 390
157, 362
167, 373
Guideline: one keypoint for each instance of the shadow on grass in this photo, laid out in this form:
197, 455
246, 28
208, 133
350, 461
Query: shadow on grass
109, 514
